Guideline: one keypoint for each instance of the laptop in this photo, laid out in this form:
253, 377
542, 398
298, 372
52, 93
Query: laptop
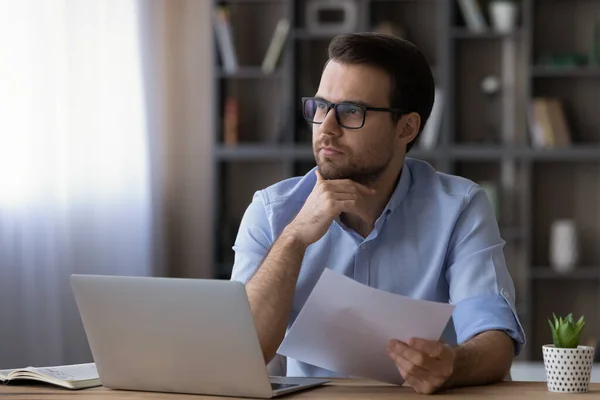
175, 335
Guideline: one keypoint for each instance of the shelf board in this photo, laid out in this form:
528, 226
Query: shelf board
248, 73
481, 152
303, 152
465, 33
302, 34
579, 273
275, 151
565, 72
574, 153
276, 2
264, 152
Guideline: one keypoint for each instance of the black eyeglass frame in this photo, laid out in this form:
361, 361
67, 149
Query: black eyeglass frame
331, 105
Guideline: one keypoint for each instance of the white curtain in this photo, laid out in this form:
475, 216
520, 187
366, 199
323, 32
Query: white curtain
75, 192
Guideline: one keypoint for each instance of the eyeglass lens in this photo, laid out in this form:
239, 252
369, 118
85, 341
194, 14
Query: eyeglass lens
348, 115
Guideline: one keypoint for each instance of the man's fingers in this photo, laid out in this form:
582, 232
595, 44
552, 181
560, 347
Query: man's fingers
408, 367
416, 357
349, 186
416, 377
433, 348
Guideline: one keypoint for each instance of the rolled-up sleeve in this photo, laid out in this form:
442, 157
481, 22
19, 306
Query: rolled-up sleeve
253, 240
481, 287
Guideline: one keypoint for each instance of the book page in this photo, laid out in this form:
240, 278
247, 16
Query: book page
4, 373
76, 372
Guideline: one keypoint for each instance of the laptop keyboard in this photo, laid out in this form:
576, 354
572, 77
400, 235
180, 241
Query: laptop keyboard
279, 386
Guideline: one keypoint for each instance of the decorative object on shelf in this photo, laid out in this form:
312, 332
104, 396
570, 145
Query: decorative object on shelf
331, 17
491, 88
563, 60
231, 117
276, 46
471, 12
548, 123
568, 364
564, 246
223, 34
504, 15
491, 190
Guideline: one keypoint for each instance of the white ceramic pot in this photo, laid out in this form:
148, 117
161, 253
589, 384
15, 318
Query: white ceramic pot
568, 370
504, 15
564, 252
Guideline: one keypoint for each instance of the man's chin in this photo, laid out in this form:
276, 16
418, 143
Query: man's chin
331, 172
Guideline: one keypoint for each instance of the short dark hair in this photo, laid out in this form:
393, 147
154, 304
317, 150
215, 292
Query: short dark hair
412, 84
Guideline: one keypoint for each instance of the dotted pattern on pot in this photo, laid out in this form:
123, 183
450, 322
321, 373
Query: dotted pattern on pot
568, 370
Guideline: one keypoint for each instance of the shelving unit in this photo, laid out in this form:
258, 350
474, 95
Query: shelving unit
482, 138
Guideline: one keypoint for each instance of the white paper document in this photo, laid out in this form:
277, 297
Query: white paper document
345, 326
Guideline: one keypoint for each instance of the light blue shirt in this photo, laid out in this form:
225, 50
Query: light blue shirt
437, 240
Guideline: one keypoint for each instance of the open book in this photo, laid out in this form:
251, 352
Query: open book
78, 376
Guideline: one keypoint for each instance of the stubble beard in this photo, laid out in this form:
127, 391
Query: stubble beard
363, 172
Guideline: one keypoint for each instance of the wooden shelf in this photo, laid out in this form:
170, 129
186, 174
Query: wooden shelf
579, 273
264, 152
574, 153
565, 72
301, 34
303, 152
275, 2
465, 33
249, 73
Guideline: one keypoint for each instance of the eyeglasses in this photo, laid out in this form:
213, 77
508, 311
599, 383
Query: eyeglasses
347, 115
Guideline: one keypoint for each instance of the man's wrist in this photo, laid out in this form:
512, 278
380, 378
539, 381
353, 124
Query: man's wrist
290, 238
454, 378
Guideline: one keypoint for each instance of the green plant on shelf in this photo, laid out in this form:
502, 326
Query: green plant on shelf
566, 333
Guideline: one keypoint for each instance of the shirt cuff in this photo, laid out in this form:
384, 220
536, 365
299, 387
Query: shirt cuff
478, 314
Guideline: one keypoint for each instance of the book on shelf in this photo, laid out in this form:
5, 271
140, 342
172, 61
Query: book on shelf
276, 46
76, 376
225, 39
549, 127
231, 121
473, 16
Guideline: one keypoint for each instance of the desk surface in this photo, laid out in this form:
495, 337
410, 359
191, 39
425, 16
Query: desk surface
338, 389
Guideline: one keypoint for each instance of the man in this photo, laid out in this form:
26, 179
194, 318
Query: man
385, 220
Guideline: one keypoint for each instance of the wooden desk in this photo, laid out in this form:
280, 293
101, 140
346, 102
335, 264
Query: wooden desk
338, 389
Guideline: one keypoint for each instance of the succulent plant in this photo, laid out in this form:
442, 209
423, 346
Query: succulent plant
566, 332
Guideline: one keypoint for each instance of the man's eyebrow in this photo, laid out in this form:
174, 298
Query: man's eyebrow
359, 102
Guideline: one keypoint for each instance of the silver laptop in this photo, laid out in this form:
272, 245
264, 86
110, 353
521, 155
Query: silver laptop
176, 335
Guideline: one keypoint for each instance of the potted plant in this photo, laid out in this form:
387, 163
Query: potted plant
568, 364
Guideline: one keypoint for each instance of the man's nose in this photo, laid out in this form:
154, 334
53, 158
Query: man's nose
330, 126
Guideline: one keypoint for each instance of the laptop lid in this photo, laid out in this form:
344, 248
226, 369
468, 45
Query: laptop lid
172, 335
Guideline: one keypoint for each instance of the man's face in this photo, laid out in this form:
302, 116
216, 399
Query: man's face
358, 154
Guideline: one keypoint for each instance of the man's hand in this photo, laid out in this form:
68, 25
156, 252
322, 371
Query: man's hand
425, 364
328, 199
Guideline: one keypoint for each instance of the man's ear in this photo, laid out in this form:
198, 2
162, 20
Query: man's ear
408, 127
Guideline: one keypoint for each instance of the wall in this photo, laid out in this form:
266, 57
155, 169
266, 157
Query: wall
178, 49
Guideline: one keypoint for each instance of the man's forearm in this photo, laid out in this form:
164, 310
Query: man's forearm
484, 359
271, 292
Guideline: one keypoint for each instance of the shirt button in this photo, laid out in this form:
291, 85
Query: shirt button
363, 246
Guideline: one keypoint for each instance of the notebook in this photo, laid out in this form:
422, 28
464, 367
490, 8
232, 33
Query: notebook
76, 376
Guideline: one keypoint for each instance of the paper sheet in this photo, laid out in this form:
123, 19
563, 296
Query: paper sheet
345, 326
